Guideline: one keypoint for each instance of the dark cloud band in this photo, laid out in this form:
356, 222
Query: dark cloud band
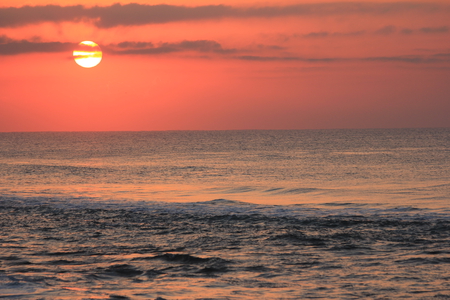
201, 46
139, 14
9, 46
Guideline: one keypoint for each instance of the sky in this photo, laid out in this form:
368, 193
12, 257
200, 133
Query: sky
225, 65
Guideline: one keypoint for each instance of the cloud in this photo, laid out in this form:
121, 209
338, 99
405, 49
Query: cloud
416, 59
288, 58
19, 16
407, 31
442, 55
136, 45
387, 30
320, 34
202, 46
139, 14
442, 29
10, 47
426, 30
325, 34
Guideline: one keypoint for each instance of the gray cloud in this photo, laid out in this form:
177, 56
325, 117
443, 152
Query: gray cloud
289, 58
202, 46
417, 59
136, 45
140, 14
386, 30
442, 29
426, 30
320, 34
10, 47
19, 16
407, 31
442, 55
325, 34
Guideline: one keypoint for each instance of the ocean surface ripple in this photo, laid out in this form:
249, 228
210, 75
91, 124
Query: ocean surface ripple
250, 214
220, 249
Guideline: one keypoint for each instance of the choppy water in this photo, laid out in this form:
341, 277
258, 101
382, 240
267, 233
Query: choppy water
333, 214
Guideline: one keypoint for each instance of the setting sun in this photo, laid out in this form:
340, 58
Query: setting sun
87, 54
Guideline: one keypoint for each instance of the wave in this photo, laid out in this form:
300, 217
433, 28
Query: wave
228, 207
81, 248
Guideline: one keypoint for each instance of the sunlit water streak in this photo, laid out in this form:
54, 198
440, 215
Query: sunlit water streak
332, 214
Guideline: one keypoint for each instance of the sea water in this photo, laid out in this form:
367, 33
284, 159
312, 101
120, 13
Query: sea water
331, 214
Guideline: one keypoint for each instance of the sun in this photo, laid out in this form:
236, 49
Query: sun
87, 54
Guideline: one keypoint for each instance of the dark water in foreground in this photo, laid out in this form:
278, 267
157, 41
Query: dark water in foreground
222, 250
339, 214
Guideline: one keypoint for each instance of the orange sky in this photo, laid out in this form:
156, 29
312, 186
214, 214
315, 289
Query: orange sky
225, 65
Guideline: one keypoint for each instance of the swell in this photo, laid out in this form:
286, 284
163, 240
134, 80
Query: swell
48, 249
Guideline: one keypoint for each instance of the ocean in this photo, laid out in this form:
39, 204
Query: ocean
267, 214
